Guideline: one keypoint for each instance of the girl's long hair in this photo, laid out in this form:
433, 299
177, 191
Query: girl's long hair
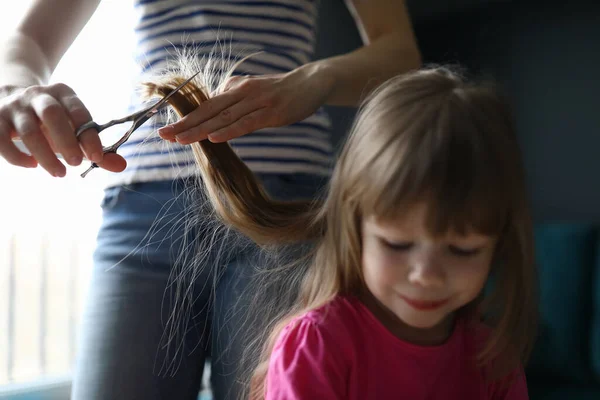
426, 136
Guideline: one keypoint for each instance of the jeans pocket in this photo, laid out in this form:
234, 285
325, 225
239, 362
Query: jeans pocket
111, 197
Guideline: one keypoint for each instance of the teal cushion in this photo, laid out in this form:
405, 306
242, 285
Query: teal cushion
595, 332
548, 391
565, 256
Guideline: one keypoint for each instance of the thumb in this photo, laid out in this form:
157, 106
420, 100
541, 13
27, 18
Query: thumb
113, 162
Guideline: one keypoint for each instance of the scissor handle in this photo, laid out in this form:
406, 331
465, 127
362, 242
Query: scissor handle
86, 126
137, 118
101, 127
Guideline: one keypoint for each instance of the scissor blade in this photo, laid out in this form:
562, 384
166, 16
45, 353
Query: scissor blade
145, 115
162, 101
153, 109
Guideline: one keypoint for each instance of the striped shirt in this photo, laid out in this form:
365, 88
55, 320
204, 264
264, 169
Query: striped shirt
284, 31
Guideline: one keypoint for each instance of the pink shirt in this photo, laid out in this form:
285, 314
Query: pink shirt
342, 351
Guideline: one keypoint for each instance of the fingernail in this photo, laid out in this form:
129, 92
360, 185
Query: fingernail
166, 130
216, 136
182, 138
97, 157
74, 160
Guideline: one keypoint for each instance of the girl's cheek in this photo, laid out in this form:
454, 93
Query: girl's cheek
392, 265
473, 272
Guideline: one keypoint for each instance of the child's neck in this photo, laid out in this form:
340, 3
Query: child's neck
423, 337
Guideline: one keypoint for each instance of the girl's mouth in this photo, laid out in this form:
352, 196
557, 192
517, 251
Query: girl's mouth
424, 305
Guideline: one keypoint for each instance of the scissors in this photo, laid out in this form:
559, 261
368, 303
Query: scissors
138, 118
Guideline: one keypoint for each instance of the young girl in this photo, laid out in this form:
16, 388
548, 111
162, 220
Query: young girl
427, 203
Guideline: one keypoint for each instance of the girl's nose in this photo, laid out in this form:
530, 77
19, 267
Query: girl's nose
426, 270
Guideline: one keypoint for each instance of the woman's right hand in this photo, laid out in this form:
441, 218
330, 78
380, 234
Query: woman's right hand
45, 118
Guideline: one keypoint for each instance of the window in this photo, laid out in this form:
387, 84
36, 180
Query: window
48, 225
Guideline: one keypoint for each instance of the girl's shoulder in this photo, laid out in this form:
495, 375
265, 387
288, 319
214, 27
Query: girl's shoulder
503, 372
329, 323
340, 310
309, 348
480, 334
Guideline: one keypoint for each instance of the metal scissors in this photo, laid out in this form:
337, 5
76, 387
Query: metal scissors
138, 118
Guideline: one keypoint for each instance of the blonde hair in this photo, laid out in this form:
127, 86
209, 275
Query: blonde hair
424, 136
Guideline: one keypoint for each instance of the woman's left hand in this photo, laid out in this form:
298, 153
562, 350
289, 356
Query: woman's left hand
251, 103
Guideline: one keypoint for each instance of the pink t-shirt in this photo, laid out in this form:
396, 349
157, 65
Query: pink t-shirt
341, 351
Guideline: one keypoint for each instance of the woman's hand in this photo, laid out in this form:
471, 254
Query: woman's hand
251, 103
44, 118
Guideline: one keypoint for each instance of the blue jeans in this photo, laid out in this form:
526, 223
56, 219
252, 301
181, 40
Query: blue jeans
120, 353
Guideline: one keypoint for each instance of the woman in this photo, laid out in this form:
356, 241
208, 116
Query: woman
276, 94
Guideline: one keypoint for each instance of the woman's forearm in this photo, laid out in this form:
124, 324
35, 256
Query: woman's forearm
22, 63
42, 36
351, 76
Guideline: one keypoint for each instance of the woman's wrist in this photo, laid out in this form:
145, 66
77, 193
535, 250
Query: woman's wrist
321, 75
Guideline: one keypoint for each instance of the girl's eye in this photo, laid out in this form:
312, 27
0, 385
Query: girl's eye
464, 252
401, 246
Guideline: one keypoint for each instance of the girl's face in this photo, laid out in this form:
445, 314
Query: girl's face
415, 282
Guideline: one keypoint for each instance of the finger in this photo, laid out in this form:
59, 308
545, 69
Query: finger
79, 115
113, 162
28, 129
247, 124
207, 110
58, 126
10, 152
221, 121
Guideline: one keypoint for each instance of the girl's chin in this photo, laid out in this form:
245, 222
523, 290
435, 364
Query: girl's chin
423, 322
434, 326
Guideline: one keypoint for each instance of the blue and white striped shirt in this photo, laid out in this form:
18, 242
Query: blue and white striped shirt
285, 33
